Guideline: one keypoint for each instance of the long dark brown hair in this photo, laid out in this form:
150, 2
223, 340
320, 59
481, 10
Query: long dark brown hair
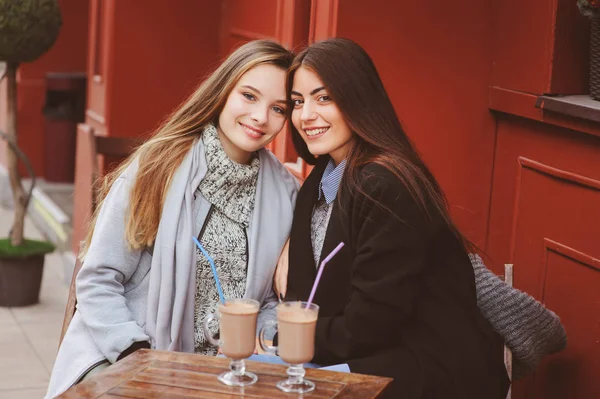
351, 80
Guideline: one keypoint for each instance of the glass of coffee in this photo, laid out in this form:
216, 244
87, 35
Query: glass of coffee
296, 322
237, 338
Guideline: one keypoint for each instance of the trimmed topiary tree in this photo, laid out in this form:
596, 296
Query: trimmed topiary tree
28, 28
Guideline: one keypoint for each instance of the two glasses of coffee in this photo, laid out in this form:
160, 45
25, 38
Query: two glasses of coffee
296, 322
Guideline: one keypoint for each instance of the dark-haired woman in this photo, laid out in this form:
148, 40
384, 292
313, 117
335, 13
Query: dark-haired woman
399, 299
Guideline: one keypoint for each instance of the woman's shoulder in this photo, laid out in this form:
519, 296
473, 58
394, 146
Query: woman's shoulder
273, 168
130, 172
376, 171
122, 185
377, 179
380, 188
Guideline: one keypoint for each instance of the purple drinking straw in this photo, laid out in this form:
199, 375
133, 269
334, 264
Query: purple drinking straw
327, 259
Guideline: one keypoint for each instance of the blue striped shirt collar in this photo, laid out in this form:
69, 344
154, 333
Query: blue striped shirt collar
330, 182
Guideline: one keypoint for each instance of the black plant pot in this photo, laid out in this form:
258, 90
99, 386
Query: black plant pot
20, 280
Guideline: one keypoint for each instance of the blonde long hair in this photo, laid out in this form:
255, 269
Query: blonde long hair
161, 155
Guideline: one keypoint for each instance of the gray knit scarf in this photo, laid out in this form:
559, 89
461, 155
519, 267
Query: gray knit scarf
170, 311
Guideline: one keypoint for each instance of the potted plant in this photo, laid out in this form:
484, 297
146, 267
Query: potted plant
591, 9
28, 28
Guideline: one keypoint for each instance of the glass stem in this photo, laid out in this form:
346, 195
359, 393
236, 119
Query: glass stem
296, 373
238, 367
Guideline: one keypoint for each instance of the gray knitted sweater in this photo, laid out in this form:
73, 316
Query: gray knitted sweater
529, 329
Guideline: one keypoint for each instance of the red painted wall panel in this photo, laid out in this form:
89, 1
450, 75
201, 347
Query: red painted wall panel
553, 214
542, 48
167, 64
571, 290
555, 204
523, 44
560, 148
258, 17
570, 61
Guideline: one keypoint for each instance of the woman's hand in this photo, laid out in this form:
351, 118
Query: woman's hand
281, 273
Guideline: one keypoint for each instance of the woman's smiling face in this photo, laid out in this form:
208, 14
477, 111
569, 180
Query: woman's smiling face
317, 118
254, 113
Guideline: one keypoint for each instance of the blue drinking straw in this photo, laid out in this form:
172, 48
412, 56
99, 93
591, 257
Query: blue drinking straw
212, 266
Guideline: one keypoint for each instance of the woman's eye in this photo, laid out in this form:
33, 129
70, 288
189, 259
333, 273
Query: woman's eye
324, 99
279, 110
249, 96
297, 102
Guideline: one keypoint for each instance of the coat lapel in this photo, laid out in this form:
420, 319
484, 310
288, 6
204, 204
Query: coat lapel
302, 269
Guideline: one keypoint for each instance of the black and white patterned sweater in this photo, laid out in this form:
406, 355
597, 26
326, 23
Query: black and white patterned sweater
230, 187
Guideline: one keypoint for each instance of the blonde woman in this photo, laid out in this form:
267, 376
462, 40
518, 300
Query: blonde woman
204, 173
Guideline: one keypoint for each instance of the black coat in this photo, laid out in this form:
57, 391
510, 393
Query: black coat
399, 299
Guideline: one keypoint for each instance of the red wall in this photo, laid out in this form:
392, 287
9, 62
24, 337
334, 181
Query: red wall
67, 55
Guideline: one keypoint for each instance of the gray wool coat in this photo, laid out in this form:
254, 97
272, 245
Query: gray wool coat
114, 283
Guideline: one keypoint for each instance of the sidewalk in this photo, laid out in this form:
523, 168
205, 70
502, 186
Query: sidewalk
29, 335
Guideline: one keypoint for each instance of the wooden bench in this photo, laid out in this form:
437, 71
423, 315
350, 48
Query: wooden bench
91, 152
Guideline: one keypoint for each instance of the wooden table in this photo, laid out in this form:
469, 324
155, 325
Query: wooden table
158, 374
